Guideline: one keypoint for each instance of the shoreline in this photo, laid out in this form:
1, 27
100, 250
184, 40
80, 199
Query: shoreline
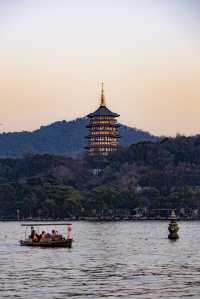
95, 219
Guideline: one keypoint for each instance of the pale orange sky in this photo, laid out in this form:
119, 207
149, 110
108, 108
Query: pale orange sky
54, 54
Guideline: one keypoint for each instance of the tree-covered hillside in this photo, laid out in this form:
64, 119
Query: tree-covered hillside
147, 176
60, 138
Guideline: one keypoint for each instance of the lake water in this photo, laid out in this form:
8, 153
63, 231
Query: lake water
108, 260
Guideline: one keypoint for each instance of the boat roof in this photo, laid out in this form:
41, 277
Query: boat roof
44, 224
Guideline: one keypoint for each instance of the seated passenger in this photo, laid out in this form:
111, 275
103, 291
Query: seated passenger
53, 234
35, 238
38, 237
42, 236
48, 235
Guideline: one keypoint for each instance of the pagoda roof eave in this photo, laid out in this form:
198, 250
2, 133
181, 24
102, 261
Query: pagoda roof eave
103, 111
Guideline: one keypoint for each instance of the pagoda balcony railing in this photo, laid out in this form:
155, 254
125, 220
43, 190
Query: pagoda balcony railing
102, 128
102, 143
101, 135
102, 140
103, 121
103, 131
89, 146
102, 151
103, 125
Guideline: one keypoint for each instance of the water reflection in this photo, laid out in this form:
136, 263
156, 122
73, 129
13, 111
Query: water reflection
112, 260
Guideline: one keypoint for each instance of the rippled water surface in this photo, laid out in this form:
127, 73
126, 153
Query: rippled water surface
108, 260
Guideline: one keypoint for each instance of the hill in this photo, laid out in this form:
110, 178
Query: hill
60, 138
149, 178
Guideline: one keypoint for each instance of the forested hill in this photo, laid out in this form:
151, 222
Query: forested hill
146, 176
60, 138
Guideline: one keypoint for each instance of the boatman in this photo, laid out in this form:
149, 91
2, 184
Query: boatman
32, 233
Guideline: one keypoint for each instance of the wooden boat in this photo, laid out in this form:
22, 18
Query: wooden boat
51, 242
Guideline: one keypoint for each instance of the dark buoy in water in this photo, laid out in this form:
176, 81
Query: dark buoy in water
173, 227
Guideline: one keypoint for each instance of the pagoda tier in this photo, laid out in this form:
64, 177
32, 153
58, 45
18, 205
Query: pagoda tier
100, 136
103, 134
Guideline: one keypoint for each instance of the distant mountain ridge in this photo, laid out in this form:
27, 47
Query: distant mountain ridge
61, 138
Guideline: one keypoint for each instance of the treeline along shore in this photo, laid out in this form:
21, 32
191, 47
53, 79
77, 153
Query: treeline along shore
143, 181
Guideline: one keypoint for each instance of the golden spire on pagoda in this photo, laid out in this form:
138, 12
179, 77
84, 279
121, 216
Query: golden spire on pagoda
103, 103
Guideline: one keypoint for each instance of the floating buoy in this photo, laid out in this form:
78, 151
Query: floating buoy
173, 227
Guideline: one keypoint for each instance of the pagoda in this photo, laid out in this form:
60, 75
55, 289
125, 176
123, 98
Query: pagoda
103, 133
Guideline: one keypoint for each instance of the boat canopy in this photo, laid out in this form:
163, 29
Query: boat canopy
44, 224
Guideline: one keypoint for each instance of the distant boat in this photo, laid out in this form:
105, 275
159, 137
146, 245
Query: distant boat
57, 241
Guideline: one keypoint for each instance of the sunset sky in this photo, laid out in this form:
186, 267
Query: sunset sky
55, 53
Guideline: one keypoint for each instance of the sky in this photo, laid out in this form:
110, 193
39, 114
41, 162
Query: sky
54, 55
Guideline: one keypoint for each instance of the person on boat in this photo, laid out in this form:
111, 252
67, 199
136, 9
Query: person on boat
53, 234
48, 236
69, 232
35, 238
32, 233
43, 235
